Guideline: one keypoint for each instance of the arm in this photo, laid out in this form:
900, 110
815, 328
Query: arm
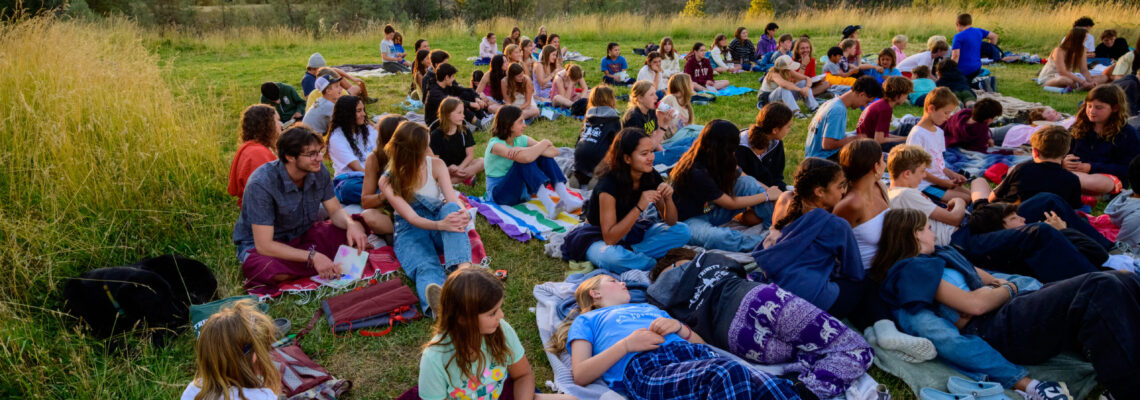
976, 302
369, 197
952, 215
587, 369
341, 219
401, 206
613, 229
526, 155
937, 181
954, 55
832, 144
735, 203
992, 37
665, 204
550, 151
523, 378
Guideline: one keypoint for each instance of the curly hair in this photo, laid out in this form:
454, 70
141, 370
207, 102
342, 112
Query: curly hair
259, 124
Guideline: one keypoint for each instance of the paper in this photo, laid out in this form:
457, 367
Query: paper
351, 266
817, 78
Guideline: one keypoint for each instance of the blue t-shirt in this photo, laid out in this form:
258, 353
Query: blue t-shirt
308, 83
614, 66
831, 122
607, 326
969, 45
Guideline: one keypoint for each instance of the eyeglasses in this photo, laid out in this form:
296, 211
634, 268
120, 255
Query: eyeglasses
314, 154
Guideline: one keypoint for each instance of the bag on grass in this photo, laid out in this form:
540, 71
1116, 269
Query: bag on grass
301, 377
380, 304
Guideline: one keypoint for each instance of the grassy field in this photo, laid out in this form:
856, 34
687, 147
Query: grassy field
118, 141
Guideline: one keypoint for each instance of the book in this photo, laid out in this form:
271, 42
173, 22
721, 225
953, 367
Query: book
351, 265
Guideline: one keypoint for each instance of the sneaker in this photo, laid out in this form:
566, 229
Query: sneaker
434, 291
1048, 390
800, 115
370, 100
931, 394
980, 390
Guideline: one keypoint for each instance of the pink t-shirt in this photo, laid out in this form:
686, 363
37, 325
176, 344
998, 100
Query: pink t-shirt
935, 144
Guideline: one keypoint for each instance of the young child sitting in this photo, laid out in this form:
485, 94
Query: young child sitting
518, 166
1124, 210
488, 47
907, 165
940, 182
922, 85
783, 48
1044, 174
875, 121
474, 352
837, 73
886, 66
232, 357
950, 77
898, 45
969, 129
614, 66
454, 144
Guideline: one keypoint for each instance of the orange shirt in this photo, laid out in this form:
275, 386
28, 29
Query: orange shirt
250, 155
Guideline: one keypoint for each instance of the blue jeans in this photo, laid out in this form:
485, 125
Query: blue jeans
523, 180
969, 354
659, 239
418, 249
706, 229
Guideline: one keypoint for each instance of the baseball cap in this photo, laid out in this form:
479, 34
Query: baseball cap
325, 77
785, 62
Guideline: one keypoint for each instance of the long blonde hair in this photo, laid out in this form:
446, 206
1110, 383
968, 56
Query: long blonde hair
233, 352
406, 152
681, 87
586, 304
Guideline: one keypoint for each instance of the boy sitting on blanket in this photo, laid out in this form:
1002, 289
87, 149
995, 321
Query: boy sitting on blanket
759, 321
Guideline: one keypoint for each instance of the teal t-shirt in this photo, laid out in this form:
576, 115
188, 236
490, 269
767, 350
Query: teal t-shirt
496, 166
440, 377
922, 86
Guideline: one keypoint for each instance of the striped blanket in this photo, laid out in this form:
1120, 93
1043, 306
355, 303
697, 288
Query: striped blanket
527, 220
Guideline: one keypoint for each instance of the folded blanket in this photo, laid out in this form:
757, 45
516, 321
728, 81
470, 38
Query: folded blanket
729, 91
364, 70
527, 220
975, 163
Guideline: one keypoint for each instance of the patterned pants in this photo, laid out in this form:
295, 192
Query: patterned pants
774, 326
683, 370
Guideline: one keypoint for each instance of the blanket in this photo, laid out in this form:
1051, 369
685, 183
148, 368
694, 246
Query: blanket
729, 91
1010, 106
974, 164
364, 70
527, 220
382, 263
1077, 374
575, 56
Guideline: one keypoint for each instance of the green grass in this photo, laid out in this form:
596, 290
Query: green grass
211, 81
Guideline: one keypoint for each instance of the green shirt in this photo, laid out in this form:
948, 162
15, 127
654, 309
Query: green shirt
291, 102
495, 165
441, 379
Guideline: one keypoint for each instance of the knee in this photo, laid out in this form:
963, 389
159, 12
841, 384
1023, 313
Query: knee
679, 231
449, 208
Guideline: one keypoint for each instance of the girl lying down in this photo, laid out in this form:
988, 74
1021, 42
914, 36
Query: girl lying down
641, 352
758, 321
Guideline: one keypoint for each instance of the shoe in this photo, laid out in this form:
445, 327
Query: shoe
800, 115
370, 100
1048, 390
434, 291
980, 390
931, 394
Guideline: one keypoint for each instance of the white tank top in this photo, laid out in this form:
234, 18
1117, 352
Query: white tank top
867, 235
430, 188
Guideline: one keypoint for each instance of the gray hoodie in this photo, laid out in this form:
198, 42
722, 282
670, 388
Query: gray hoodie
1124, 210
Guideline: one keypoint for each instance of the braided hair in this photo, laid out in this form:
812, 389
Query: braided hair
812, 173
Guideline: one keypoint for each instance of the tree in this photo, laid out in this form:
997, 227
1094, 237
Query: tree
694, 8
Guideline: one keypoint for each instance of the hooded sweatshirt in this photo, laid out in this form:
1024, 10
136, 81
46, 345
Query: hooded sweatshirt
1124, 210
704, 294
814, 251
601, 126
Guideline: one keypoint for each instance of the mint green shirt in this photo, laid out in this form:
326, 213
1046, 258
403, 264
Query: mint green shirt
440, 377
497, 166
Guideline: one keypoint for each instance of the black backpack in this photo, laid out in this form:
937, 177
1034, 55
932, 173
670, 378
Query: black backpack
155, 293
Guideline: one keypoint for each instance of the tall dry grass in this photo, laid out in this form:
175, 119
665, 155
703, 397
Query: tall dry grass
1029, 27
102, 164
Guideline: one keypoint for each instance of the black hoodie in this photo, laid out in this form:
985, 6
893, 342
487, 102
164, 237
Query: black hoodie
602, 125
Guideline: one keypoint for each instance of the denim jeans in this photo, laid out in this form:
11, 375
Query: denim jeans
788, 97
523, 180
1033, 209
659, 239
1097, 313
706, 229
418, 249
969, 354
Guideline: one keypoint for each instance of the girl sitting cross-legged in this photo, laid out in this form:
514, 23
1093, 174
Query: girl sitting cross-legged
642, 352
710, 191
429, 217
518, 167
615, 237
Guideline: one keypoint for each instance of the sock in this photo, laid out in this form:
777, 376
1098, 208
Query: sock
571, 202
872, 339
547, 202
1032, 386
890, 338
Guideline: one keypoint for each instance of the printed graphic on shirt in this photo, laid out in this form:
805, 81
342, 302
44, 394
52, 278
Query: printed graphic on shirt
487, 386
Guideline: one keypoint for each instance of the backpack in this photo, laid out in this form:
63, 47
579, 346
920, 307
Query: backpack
154, 293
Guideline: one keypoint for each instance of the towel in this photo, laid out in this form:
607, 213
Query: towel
527, 220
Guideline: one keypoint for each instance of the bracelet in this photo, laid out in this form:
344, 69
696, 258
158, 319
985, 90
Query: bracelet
767, 198
312, 252
683, 328
1009, 289
639, 209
